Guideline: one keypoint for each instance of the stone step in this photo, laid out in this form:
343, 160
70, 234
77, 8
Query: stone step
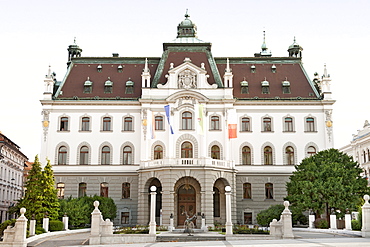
186, 238
182, 230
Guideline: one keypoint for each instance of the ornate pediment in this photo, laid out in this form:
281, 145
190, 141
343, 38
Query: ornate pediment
187, 76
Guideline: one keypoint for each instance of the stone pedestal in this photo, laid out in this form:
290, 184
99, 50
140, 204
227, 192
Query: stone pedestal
16, 236
286, 218
152, 224
229, 224
45, 224
204, 227
96, 220
276, 228
171, 228
347, 220
65, 223
333, 222
311, 221
32, 227
366, 218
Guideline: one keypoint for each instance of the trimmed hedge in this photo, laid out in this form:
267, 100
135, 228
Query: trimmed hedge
56, 225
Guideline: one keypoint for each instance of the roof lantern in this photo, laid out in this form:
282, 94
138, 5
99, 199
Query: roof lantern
186, 28
264, 50
73, 51
295, 50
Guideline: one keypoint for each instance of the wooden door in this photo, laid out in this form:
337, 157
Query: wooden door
186, 204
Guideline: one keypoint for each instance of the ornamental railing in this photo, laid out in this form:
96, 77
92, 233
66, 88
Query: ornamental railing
207, 162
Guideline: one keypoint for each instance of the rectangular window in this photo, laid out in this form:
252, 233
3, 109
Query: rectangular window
104, 189
158, 123
82, 189
265, 90
125, 217
247, 191
289, 124
60, 190
247, 218
106, 124
215, 123
128, 124
63, 124
126, 190
85, 125
246, 124
267, 124
310, 124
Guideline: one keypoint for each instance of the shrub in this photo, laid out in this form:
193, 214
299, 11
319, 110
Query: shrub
5, 224
56, 225
356, 225
39, 230
246, 230
321, 223
266, 216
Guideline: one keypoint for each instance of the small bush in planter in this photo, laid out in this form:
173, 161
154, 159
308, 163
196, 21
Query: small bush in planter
56, 225
321, 223
356, 225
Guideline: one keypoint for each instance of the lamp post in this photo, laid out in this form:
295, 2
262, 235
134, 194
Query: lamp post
152, 223
229, 224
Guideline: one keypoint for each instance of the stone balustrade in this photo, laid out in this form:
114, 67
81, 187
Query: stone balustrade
205, 162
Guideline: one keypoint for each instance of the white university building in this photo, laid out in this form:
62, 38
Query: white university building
106, 130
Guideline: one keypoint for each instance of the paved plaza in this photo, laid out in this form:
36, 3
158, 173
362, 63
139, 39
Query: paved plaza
302, 238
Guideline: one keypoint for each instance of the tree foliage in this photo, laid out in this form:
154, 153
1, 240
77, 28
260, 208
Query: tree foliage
328, 180
40, 195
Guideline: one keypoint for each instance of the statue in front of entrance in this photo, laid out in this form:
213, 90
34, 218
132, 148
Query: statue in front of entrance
188, 224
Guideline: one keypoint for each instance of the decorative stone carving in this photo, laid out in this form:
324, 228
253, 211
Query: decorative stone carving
187, 79
45, 122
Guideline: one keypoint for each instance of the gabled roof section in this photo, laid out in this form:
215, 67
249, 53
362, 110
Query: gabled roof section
98, 71
277, 71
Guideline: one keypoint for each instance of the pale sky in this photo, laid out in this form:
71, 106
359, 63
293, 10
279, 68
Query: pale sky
36, 34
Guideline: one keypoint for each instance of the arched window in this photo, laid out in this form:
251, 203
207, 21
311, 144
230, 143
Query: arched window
289, 155
62, 155
215, 152
105, 155
267, 124
104, 189
84, 155
186, 150
311, 151
127, 155
247, 191
364, 153
126, 191
158, 123
85, 124
187, 119
60, 190
267, 155
215, 123
127, 125
158, 152
82, 189
216, 202
269, 191
246, 124
107, 124
246, 156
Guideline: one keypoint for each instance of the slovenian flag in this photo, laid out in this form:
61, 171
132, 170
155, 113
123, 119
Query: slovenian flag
167, 109
151, 124
199, 116
232, 123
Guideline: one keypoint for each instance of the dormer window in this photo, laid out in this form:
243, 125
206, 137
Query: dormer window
88, 86
129, 86
108, 86
273, 68
99, 68
244, 87
253, 69
119, 68
286, 87
265, 87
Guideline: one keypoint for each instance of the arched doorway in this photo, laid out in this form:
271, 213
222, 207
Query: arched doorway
219, 201
186, 203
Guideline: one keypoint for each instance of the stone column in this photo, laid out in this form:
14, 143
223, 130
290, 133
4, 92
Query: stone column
333, 221
311, 221
347, 220
229, 224
65, 222
286, 218
32, 226
45, 224
152, 224
366, 218
96, 220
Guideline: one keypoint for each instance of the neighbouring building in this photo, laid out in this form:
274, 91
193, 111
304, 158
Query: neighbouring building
188, 123
359, 148
12, 162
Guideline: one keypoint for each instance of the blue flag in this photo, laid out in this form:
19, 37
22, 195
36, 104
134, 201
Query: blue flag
167, 109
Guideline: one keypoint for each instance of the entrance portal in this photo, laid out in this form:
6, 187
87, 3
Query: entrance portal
186, 203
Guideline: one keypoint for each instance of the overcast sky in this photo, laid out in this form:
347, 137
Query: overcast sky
36, 34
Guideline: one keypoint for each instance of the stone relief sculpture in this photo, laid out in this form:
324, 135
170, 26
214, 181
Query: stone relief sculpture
187, 79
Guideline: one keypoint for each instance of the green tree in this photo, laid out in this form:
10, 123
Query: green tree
77, 210
328, 180
40, 195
